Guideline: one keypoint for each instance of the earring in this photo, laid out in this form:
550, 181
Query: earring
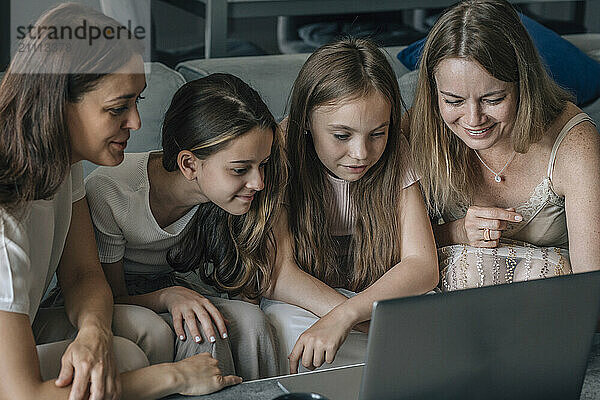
306, 132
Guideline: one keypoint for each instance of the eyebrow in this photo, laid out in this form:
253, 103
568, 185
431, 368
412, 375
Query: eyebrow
247, 161
347, 128
126, 96
495, 92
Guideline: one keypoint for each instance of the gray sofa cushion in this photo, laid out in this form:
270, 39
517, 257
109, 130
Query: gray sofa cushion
271, 76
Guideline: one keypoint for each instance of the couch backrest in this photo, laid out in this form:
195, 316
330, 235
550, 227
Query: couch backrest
271, 76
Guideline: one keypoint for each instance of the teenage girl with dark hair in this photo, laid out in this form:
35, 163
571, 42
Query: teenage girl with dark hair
201, 208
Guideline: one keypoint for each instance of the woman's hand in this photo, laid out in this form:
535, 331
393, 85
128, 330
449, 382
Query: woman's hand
186, 304
483, 226
320, 342
200, 375
89, 361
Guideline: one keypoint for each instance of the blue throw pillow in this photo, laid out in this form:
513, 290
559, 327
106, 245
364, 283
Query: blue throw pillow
571, 68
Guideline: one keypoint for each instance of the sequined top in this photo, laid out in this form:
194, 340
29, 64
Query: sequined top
544, 217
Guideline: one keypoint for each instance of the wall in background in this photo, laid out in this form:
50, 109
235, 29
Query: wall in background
177, 29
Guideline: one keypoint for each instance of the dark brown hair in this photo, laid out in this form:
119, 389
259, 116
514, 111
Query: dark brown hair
231, 252
338, 72
35, 151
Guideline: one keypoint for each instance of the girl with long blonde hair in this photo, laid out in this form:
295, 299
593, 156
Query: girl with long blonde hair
354, 218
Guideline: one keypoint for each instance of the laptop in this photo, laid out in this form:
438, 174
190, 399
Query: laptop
525, 340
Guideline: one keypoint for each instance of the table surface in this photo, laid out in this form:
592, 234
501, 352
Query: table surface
268, 389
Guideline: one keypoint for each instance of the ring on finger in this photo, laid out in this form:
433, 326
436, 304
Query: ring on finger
486, 234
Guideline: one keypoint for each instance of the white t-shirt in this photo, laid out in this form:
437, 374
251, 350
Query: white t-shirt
32, 246
119, 199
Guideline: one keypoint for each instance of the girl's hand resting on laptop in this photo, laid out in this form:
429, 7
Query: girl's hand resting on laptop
320, 342
188, 305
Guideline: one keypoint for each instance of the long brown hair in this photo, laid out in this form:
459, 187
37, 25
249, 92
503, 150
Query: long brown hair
340, 71
35, 151
209, 113
490, 33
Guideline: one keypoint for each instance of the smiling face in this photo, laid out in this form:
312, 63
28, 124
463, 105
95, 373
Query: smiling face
480, 109
350, 136
230, 178
99, 125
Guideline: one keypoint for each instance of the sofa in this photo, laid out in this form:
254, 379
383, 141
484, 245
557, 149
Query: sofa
272, 76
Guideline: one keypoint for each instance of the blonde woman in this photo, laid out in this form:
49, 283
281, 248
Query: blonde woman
355, 216
505, 157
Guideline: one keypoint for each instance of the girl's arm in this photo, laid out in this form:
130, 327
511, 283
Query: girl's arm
21, 377
576, 174
292, 285
416, 273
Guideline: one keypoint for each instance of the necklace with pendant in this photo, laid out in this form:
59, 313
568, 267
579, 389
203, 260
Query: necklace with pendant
497, 176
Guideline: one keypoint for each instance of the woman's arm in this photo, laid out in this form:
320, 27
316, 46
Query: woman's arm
416, 273
576, 174
88, 304
21, 377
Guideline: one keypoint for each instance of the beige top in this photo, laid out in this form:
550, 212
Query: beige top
544, 219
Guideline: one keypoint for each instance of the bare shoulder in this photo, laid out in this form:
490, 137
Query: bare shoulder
578, 156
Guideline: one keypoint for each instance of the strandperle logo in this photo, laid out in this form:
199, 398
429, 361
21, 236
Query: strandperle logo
84, 31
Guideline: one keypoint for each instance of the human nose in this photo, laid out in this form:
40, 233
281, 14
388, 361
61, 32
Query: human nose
256, 181
133, 120
474, 115
358, 149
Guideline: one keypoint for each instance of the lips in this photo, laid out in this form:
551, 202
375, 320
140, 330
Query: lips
120, 145
246, 197
355, 169
479, 132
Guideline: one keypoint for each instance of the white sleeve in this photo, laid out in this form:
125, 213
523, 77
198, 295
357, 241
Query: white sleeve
77, 186
15, 265
107, 202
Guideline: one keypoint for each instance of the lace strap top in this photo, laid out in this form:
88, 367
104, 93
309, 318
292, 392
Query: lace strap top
576, 120
544, 217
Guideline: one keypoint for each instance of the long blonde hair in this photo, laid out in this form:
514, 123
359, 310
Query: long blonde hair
340, 71
490, 33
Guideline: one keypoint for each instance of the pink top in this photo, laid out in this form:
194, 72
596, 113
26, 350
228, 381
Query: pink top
342, 217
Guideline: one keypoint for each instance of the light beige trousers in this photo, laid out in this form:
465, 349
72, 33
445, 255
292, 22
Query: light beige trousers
251, 349
141, 337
